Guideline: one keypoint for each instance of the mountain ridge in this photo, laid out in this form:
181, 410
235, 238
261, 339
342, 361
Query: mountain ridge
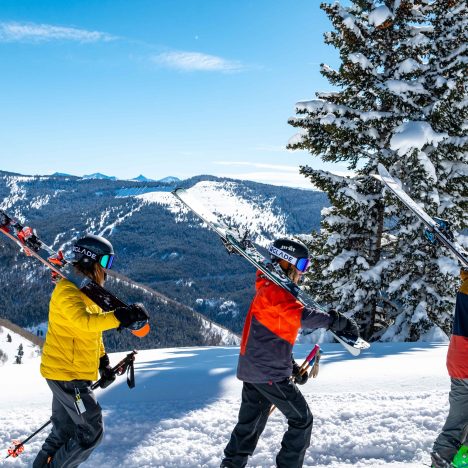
158, 244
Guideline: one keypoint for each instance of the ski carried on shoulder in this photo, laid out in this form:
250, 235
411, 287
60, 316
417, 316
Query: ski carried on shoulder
436, 228
26, 239
247, 249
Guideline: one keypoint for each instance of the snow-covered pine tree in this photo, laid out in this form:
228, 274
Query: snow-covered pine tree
382, 46
346, 252
434, 170
449, 83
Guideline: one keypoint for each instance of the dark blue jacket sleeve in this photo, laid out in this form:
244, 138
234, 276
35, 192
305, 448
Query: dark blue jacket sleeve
314, 318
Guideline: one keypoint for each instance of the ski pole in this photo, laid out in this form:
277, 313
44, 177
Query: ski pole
125, 365
309, 362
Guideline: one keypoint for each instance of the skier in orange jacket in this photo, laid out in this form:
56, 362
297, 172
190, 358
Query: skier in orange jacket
266, 363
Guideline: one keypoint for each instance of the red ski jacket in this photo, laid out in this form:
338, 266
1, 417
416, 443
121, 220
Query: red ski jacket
457, 356
270, 331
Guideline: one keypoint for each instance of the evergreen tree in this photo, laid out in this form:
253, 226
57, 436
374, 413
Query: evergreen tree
448, 80
346, 273
380, 113
436, 174
19, 355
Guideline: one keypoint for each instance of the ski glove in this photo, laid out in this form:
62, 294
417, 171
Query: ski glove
297, 377
105, 371
131, 314
343, 325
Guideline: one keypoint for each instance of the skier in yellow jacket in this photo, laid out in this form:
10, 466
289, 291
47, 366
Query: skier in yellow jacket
72, 355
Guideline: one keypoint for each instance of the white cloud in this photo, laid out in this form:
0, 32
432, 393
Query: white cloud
196, 61
16, 32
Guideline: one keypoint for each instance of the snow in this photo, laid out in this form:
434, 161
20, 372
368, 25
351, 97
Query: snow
408, 65
39, 202
448, 266
414, 135
17, 191
316, 105
227, 337
340, 260
350, 22
108, 229
225, 200
30, 350
133, 192
401, 86
360, 59
165, 199
379, 15
98, 176
384, 408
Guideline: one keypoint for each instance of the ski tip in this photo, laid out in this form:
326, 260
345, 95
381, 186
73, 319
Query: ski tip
142, 331
352, 345
383, 170
177, 191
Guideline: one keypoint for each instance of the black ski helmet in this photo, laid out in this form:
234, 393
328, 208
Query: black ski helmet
94, 249
293, 251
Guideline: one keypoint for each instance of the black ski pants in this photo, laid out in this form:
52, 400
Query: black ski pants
253, 415
74, 436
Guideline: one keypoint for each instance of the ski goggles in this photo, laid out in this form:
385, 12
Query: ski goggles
302, 264
106, 261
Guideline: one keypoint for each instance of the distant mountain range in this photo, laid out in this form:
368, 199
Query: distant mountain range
159, 246
100, 176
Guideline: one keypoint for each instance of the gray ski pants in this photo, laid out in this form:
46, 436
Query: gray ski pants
253, 415
74, 436
454, 432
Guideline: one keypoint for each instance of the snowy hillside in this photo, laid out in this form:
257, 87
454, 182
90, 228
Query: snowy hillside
9, 345
157, 244
253, 213
381, 409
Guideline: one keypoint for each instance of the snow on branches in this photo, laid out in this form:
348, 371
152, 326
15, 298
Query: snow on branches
399, 98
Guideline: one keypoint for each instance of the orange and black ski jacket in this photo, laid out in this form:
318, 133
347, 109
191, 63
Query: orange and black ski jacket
457, 357
270, 331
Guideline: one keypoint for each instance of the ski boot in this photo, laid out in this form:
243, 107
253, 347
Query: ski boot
439, 462
461, 458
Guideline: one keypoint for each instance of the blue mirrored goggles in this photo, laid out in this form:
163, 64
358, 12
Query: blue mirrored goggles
106, 261
302, 264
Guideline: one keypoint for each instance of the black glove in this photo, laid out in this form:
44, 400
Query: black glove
105, 371
343, 325
297, 377
129, 315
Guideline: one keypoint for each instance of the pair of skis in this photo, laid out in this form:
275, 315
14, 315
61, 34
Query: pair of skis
26, 239
435, 228
245, 248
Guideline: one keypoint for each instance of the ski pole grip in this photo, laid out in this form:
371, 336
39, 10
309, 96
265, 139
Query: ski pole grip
312, 354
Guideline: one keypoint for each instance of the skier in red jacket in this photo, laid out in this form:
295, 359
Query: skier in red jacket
455, 430
266, 363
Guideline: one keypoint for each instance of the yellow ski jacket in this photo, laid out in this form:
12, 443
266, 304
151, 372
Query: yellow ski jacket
73, 343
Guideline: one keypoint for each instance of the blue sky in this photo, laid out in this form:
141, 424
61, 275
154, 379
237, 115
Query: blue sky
173, 87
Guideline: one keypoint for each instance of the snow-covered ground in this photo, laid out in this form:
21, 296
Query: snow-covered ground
10, 348
381, 409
